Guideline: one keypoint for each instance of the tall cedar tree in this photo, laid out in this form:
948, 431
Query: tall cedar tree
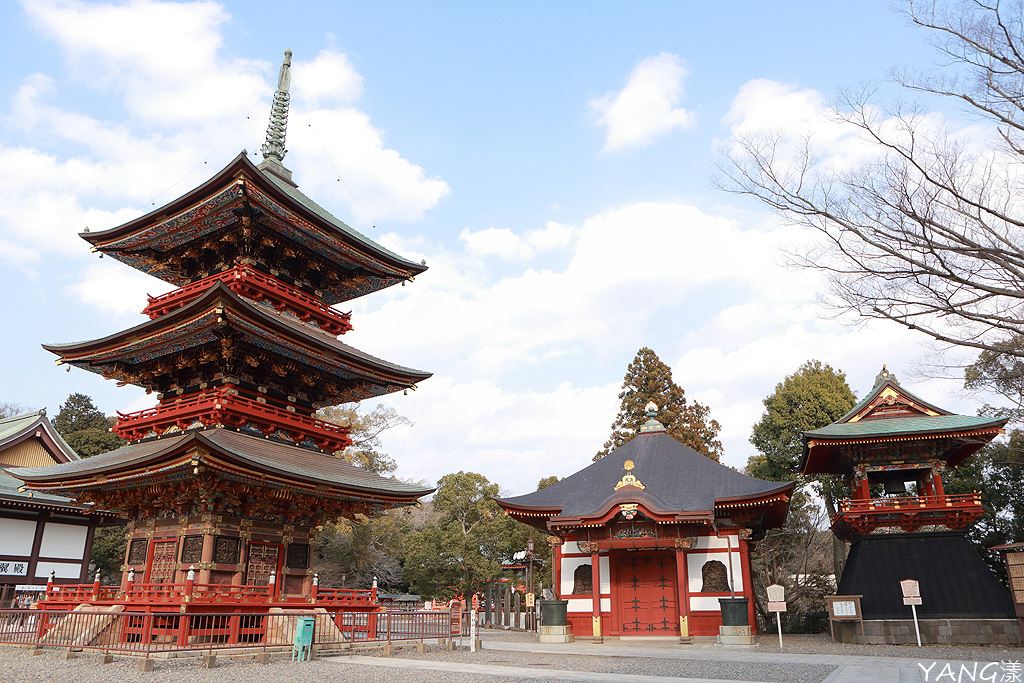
812, 397
648, 379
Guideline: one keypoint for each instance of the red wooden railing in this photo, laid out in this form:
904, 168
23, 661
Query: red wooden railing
246, 281
223, 406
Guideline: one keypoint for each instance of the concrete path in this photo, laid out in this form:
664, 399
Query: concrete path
851, 668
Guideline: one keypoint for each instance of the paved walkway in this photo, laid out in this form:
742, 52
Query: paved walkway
851, 669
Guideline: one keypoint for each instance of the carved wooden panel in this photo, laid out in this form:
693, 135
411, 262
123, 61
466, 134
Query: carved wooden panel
137, 551
262, 561
192, 550
164, 555
225, 550
293, 584
298, 556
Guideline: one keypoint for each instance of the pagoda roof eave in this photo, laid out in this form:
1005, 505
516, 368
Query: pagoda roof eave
260, 456
77, 353
282, 192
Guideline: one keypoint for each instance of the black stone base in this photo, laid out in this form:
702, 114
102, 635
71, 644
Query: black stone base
955, 582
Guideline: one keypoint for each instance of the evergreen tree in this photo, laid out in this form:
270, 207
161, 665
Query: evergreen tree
84, 427
648, 379
87, 431
812, 397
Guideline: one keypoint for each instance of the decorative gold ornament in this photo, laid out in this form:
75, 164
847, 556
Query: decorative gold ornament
628, 510
629, 479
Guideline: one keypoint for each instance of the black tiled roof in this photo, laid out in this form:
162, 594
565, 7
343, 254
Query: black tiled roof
677, 479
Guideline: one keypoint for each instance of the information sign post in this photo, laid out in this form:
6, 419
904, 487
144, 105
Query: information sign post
912, 596
845, 608
777, 604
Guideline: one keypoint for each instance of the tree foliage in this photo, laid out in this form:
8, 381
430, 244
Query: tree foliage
85, 428
546, 482
366, 450
798, 556
648, 379
1000, 371
996, 471
812, 397
109, 545
928, 232
352, 553
467, 543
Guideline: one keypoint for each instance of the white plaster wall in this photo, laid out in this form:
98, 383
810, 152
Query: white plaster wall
587, 605
580, 605
705, 604
65, 570
706, 542
63, 540
606, 579
694, 562
570, 547
16, 536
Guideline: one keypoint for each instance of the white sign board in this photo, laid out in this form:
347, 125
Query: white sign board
844, 608
776, 593
911, 592
13, 568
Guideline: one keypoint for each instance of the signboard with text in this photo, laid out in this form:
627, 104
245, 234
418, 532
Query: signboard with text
911, 592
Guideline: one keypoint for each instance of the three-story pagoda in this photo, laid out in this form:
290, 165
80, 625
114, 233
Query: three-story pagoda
231, 471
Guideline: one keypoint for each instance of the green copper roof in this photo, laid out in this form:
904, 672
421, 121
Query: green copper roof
894, 426
15, 426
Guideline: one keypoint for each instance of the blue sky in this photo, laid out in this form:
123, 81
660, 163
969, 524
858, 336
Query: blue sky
550, 161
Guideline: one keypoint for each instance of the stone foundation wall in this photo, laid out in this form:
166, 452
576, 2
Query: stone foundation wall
933, 631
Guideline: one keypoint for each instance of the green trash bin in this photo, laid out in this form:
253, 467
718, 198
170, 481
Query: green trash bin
553, 612
302, 648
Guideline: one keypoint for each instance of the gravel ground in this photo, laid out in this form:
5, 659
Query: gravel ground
17, 666
637, 666
823, 645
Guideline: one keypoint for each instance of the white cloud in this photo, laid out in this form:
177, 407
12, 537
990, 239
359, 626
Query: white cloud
187, 107
647, 107
509, 246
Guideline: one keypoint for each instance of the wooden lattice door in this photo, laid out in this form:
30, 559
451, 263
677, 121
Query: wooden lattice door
165, 555
647, 594
263, 559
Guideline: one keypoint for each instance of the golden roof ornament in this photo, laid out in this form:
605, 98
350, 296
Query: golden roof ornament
629, 479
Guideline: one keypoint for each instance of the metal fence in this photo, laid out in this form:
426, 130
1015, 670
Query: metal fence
145, 634
795, 622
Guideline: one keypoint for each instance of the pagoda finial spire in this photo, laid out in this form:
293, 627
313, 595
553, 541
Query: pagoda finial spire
273, 148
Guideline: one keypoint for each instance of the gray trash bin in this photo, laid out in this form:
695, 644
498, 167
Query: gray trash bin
552, 612
734, 611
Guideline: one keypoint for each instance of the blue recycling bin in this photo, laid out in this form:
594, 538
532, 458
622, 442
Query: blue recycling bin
302, 648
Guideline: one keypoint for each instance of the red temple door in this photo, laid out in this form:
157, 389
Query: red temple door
646, 594
161, 570
263, 559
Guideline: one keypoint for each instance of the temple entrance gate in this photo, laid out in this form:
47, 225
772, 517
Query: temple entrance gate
647, 593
